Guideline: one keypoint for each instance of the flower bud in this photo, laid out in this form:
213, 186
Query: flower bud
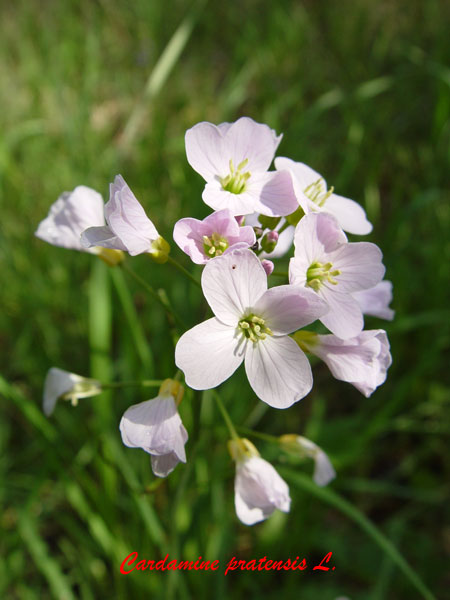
301, 446
268, 266
269, 241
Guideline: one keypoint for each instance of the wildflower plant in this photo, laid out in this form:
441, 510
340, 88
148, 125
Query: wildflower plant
255, 320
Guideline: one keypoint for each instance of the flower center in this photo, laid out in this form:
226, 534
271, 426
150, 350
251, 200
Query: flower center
236, 181
254, 328
317, 192
215, 245
318, 273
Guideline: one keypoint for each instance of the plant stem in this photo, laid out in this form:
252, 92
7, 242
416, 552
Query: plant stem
226, 417
162, 299
262, 436
185, 272
122, 384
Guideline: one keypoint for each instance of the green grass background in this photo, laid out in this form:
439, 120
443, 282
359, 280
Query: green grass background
89, 89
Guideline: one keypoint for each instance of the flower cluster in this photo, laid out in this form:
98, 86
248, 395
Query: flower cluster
258, 215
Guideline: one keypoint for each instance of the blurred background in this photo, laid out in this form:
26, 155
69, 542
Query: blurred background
89, 89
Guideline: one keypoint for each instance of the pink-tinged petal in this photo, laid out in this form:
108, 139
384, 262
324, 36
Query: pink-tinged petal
362, 361
219, 199
127, 219
259, 490
273, 193
302, 177
71, 214
350, 214
375, 301
278, 371
101, 236
247, 140
165, 464
209, 353
186, 235
316, 235
287, 308
232, 283
360, 265
344, 318
205, 150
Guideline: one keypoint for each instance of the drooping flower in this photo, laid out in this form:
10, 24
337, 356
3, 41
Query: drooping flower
155, 426
203, 240
258, 489
375, 301
323, 469
233, 159
314, 196
128, 227
69, 216
325, 262
251, 323
362, 361
60, 384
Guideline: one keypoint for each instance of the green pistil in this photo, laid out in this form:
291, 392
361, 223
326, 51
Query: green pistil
215, 245
318, 273
317, 192
254, 328
236, 181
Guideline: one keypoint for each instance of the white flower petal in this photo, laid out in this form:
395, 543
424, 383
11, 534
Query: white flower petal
350, 214
101, 236
71, 214
375, 301
209, 353
360, 265
278, 371
323, 469
362, 361
155, 426
165, 464
219, 199
232, 284
344, 318
287, 308
127, 219
256, 142
273, 193
204, 150
259, 490
316, 235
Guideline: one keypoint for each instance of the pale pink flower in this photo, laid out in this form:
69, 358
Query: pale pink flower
325, 262
375, 301
313, 196
323, 469
156, 427
362, 361
69, 216
258, 489
69, 386
203, 240
128, 227
233, 159
251, 323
